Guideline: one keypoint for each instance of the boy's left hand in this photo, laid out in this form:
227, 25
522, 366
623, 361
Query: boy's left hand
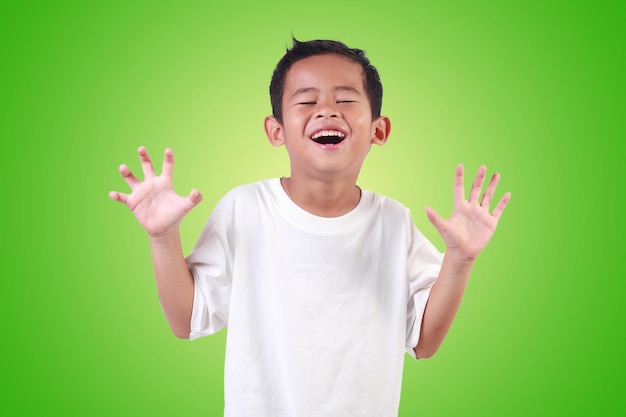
470, 227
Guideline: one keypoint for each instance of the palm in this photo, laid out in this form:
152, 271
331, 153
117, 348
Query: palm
153, 201
471, 226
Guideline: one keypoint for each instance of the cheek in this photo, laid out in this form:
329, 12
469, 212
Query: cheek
295, 120
360, 116
363, 125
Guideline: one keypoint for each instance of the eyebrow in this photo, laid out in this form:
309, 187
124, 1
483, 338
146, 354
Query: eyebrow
316, 90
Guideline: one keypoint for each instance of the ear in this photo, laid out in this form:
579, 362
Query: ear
381, 128
274, 131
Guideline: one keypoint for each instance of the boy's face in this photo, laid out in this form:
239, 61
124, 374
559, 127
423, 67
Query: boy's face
327, 122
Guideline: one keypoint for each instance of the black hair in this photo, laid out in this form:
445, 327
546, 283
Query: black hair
301, 50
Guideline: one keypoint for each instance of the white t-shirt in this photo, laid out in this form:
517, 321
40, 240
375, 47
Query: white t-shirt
319, 310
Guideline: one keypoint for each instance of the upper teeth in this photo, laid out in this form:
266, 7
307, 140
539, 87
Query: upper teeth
327, 133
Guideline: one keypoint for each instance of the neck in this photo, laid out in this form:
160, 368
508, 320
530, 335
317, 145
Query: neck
324, 199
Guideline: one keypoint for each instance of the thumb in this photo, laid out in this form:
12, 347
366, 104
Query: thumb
194, 198
434, 218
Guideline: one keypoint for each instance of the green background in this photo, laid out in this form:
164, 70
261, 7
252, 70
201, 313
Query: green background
532, 89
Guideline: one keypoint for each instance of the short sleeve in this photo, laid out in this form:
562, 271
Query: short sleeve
423, 266
210, 266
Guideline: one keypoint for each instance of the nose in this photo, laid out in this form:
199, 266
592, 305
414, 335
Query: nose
326, 109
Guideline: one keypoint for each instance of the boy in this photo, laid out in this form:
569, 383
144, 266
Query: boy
323, 286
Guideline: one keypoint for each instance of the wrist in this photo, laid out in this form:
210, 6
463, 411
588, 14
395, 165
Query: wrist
165, 238
460, 260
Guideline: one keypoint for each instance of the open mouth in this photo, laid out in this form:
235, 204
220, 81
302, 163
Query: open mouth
328, 137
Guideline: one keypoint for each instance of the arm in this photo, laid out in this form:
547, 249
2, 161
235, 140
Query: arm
465, 233
160, 210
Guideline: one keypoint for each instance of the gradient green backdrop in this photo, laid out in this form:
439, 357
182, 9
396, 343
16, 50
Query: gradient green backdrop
532, 89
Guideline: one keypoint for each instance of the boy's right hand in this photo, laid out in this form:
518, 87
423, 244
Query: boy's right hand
153, 201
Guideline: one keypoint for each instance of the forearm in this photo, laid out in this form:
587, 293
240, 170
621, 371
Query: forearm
443, 303
174, 282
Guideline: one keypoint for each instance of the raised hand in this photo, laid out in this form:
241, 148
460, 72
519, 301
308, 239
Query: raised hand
471, 225
153, 201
